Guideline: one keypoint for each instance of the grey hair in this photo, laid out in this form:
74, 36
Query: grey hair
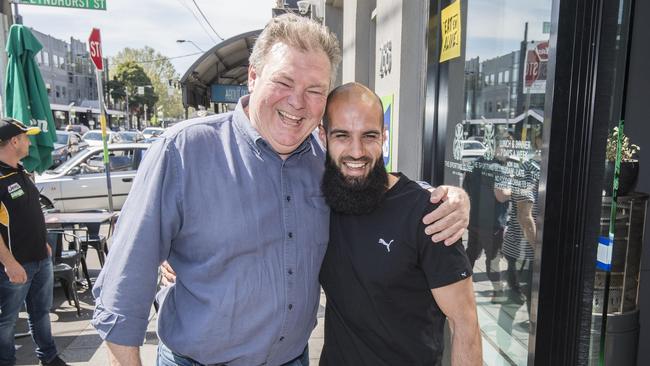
301, 33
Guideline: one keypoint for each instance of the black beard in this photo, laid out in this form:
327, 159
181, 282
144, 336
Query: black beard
354, 196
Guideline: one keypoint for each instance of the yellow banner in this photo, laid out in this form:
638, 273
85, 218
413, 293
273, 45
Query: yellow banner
451, 31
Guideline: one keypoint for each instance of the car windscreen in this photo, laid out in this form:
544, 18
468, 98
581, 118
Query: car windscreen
62, 138
129, 136
473, 146
68, 163
93, 136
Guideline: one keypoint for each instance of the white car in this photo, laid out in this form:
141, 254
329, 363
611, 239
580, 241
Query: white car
150, 132
79, 184
94, 137
472, 149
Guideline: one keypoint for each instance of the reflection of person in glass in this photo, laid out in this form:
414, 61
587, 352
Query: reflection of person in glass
520, 234
488, 192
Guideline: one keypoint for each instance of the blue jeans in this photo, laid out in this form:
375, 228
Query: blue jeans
167, 357
36, 293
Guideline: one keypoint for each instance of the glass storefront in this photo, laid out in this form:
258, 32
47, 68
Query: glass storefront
517, 108
495, 119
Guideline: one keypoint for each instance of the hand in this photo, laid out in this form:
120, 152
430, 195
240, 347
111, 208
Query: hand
16, 272
167, 274
449, 221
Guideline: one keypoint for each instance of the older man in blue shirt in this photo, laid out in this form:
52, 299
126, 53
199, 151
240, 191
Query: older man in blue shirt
233, 202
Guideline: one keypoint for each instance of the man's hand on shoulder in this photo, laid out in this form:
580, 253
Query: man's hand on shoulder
167, 274
448, 222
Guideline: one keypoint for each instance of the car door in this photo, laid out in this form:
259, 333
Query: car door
85, 188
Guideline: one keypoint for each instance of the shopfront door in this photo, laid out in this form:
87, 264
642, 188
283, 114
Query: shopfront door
512, 87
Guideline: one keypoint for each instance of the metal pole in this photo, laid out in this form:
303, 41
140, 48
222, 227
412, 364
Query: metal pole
128, 112
102, 119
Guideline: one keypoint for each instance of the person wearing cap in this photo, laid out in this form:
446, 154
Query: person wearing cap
25, 264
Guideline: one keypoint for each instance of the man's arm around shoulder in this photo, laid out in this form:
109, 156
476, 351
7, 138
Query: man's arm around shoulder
458, 303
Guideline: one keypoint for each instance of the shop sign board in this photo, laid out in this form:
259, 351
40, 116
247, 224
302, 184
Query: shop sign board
535, 67
227, 93
76, 4
450, 24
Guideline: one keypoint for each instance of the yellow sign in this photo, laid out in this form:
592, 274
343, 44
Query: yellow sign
451, 31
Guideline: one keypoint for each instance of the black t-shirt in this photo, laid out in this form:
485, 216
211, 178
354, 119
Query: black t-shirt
22, 224
378, 273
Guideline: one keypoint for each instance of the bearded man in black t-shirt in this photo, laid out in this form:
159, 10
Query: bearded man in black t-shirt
388, 287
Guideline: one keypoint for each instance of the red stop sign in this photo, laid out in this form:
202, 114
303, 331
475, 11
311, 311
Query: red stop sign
95, 45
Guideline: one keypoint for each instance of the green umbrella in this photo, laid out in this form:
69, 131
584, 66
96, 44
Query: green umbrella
26, 96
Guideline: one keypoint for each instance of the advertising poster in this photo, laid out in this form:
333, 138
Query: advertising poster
451, 31
387, 102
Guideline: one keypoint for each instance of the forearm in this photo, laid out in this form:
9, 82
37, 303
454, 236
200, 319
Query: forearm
6, 257
123, 355
466, 343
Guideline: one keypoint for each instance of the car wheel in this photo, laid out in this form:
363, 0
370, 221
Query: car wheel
46, 204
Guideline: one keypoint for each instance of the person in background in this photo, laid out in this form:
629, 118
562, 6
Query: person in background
26, 275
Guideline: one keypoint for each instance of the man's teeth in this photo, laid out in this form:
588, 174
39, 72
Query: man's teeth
289, 116
355, 165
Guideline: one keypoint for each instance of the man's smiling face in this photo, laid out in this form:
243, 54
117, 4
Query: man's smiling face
288, 96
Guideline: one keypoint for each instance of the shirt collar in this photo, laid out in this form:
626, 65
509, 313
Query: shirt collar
4, 166
253, 137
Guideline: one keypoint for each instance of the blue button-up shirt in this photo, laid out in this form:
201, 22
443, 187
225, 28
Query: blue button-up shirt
245, 231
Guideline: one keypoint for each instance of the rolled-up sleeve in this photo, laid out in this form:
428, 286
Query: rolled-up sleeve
149, 221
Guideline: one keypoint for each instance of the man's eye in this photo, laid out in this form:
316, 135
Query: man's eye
282, 83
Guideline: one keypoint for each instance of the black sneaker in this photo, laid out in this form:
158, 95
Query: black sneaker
56, 361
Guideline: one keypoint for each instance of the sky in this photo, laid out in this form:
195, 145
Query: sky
154, 23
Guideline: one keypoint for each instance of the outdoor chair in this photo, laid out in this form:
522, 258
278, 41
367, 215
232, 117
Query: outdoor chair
66, 264
96, 240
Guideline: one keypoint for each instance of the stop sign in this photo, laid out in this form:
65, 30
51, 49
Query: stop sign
95, 45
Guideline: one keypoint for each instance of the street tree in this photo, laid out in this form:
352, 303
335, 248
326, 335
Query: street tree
160, 71
133, 77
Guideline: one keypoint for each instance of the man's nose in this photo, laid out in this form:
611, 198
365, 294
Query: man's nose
296, 99
356, 148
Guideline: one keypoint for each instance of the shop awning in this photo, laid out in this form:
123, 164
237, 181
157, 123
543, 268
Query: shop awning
226, 64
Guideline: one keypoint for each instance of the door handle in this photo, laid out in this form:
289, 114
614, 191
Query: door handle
127, 180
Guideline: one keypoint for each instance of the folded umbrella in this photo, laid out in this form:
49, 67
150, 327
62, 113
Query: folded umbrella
26, 96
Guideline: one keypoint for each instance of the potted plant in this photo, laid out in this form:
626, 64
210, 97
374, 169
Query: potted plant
629, 164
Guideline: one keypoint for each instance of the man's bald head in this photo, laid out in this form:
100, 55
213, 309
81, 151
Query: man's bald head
352, 93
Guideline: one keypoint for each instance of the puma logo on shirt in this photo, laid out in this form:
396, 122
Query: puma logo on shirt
387, 245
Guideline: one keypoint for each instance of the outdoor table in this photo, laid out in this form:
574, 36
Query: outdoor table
72, 220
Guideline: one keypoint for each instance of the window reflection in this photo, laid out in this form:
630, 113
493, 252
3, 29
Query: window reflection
496, 157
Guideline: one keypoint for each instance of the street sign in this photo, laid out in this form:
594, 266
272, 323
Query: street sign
95, 45
76, 4
535, 67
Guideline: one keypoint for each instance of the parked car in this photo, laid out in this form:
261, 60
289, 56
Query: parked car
94, 137
131, 136
67, 144
472, 149
150, 132
79, 184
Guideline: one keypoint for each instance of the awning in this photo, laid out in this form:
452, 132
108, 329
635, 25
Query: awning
226, 63
78, 109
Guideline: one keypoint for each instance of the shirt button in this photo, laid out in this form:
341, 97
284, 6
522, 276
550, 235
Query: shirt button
281, 339
290, 271
290, 235
290, 306
288, 198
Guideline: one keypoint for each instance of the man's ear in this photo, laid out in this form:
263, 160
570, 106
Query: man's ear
322, 134
252, 76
